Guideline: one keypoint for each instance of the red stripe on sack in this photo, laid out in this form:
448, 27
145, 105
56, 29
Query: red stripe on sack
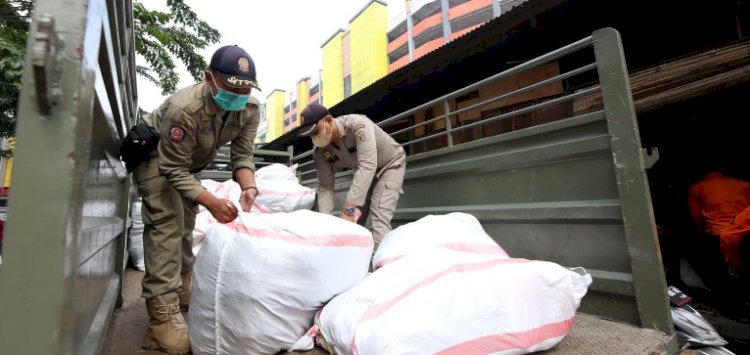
333, 240
510, 341
381, 308
261, 208
285, 193
476, 248
383, 262
466, 247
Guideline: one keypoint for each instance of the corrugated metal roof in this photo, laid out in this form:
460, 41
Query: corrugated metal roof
667, 29
444, 55
516, 14
439, 58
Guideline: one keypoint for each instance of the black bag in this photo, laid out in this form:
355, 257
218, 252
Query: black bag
137, 146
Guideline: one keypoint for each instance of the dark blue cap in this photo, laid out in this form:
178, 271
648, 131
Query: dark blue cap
310, 117
235, 67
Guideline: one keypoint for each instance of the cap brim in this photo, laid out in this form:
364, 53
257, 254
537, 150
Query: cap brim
238, 81
307, 131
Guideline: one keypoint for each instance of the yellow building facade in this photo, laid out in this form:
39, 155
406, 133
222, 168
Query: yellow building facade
270, 126
333, 70
356, 57
303, 90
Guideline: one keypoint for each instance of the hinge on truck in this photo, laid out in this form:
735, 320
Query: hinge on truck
46, 61
650, 156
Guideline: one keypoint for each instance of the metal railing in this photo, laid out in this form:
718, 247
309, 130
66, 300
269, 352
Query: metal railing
549, 191
446, 100
261, 157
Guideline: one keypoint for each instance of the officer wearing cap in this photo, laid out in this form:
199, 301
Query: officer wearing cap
355, 142
192, 124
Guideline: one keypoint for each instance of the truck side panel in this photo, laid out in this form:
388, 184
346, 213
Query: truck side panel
65, 239
572, 191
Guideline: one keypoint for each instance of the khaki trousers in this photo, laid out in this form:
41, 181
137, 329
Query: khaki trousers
168, 221
384, 194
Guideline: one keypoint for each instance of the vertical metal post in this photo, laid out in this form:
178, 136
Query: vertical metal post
65, 233
290, 151
637, 212
409, 30
448, 126
496, 9
445, 6
40, 260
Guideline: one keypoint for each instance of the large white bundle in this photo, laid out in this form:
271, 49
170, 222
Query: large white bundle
277, 172
444, 286
258, 281
444, 301
456, 231
135, 236
279, 190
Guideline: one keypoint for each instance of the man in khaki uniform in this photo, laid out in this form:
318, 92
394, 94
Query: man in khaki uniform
378, 161
192, 124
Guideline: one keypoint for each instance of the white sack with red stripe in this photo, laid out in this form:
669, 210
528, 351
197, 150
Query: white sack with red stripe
457, 231
279, 190
259, 280
444, 301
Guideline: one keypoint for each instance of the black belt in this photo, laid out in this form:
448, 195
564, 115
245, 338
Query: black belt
198, 170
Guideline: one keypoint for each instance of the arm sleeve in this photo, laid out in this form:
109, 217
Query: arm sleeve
176, 145
367, 161
326, 183
242, 147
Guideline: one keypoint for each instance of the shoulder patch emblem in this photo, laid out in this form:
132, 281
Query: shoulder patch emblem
327, 154
359, 131
176, 133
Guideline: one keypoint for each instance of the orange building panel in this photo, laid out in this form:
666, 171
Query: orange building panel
467, 8
398, 63
426, 23
455, 35
398, 42
428, 47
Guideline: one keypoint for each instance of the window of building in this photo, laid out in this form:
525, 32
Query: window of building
347, 55
294, 104
347, 86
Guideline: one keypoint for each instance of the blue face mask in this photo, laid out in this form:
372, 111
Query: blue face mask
228, 100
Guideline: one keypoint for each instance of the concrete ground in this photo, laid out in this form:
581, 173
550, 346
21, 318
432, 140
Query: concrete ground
590, 335
129, 323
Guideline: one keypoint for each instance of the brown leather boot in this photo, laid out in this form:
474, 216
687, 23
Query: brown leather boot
185, 292
167, 330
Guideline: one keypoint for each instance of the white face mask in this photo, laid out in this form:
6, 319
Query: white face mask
323, 139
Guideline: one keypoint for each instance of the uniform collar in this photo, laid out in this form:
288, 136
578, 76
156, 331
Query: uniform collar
209, 106
340, 126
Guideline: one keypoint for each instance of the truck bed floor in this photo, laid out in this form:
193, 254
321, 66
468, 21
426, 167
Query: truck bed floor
590, 335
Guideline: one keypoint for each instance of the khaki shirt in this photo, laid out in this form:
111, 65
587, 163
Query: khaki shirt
363, 147
191, 130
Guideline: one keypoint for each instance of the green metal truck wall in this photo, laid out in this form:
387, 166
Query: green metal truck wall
65, 240
572, 191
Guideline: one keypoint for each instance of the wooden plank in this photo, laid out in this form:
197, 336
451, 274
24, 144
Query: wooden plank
682, 72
